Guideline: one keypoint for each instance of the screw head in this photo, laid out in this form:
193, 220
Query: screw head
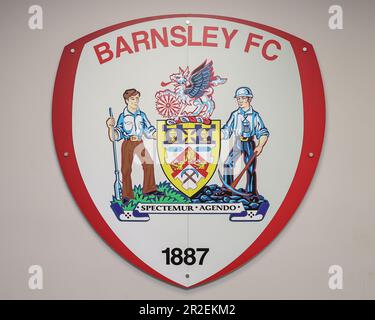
66, 154
72, 50
187, 275
187, 21
304, 49
311, 154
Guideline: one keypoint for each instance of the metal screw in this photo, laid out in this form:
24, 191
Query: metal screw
66, 154
304, 49
311, 154
187, 21
72, 50
187, 275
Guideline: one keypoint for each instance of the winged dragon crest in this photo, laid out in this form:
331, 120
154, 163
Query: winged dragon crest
192, 94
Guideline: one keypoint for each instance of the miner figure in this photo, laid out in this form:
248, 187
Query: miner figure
245, 123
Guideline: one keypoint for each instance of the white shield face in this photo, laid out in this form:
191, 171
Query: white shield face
187, 238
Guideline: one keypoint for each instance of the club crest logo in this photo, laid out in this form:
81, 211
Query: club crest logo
188, 141
188, 169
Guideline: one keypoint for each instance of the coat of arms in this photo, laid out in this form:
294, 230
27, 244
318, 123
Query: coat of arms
188, 141
188, 144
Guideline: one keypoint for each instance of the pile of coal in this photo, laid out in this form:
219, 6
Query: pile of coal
211, 194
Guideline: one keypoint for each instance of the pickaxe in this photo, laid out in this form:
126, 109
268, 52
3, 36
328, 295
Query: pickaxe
232, 186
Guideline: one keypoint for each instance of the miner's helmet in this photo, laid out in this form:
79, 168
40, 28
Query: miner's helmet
243, 92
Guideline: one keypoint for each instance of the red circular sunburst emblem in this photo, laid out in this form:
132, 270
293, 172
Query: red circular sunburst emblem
167, 105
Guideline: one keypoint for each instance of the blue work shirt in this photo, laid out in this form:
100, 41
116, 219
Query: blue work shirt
134, 124
235, 124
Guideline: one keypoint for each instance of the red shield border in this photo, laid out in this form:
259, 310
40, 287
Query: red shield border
313, 135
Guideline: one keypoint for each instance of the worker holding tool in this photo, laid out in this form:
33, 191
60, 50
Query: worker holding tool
245, 123
131, 126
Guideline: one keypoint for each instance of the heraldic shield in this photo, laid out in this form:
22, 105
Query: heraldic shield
189, 153
188, 146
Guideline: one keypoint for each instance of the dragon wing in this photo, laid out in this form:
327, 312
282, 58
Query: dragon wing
200, 80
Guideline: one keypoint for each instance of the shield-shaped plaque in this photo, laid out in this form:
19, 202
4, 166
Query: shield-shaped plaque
188, 141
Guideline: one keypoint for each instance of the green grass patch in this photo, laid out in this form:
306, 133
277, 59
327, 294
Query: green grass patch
171, 195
